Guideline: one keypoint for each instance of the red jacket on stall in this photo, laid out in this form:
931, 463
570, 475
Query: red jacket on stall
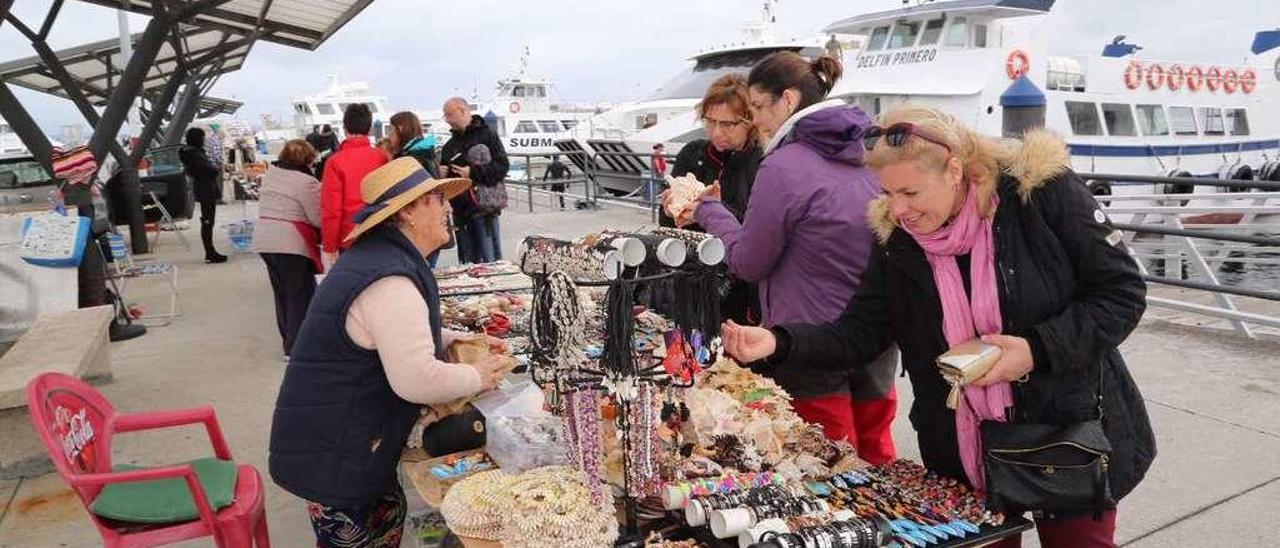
340, 189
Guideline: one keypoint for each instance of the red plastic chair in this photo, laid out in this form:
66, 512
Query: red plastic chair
76, 424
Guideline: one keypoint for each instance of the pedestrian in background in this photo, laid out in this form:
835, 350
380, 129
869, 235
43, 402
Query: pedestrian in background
287, 235
203, 173
475, 152
340, 187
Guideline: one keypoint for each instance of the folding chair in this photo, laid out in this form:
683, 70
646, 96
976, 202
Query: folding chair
166, 221
124, 269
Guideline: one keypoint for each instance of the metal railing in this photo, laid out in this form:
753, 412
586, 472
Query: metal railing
587, 172
1165, 236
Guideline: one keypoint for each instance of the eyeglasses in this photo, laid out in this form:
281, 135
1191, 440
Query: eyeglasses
896, 135
722, 125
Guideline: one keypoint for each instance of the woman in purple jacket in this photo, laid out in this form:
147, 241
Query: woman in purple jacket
805, 240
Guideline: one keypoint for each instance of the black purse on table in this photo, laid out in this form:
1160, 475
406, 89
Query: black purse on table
1053, 468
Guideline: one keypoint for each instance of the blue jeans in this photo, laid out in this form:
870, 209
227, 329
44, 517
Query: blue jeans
479, 241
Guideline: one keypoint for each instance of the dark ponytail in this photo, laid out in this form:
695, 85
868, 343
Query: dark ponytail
789, 70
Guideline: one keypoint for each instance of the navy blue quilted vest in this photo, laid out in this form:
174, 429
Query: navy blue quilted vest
338, 428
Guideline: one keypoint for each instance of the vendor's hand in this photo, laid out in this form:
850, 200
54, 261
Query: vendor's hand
492, 369
462, 171
747, 343
327, 259
497, 346
1015, 360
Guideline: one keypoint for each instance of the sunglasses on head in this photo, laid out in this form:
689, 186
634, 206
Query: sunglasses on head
896, 135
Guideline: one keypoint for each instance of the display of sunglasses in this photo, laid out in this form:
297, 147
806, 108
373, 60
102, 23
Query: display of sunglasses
896, 135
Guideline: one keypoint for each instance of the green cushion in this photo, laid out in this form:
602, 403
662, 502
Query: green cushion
167, 500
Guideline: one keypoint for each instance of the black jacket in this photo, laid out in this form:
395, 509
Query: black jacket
479, 148
1066, 285
203, 173
736, 171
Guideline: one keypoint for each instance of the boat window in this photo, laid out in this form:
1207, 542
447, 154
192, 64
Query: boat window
1237, 121
1212, 121
1183, 121
539, 91
518, 91
526, 126
569, 124
324, 108
1119, 119
373, 108
979, 36
932, 31
1084, 118
958, 33
904, 34
877, 40
1151, 120
549, 126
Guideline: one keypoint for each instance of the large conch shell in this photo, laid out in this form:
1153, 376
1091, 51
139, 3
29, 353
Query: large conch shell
684, 190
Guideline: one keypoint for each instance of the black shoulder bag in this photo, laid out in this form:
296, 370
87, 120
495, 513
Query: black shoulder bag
1053, 468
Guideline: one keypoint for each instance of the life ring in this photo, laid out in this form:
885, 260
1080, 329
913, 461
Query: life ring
1155, 76
1230, 80
514, 107
1195, 78
1177, 75
1213, 78
1017, 64
1248, 81
1133, 75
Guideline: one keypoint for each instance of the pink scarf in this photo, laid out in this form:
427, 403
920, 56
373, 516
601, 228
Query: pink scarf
964, 318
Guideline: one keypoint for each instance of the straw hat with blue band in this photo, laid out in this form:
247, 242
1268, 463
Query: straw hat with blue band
396, 184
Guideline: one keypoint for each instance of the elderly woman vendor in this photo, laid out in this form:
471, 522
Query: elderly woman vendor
370, 353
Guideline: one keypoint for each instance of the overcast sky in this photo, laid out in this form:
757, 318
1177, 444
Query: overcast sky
418, 52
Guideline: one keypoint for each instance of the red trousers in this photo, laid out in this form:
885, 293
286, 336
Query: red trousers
865, 424
1078, 532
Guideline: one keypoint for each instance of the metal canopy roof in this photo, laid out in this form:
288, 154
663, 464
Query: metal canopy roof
95, 66
298, 23
210, 106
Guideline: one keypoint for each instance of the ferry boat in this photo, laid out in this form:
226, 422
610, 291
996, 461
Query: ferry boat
327, 108
525, 114
988, 63
667, 115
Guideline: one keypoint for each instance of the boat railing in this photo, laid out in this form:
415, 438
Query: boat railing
1208, 243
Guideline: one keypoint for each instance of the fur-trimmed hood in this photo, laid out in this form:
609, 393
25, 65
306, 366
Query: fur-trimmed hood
1035, 160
